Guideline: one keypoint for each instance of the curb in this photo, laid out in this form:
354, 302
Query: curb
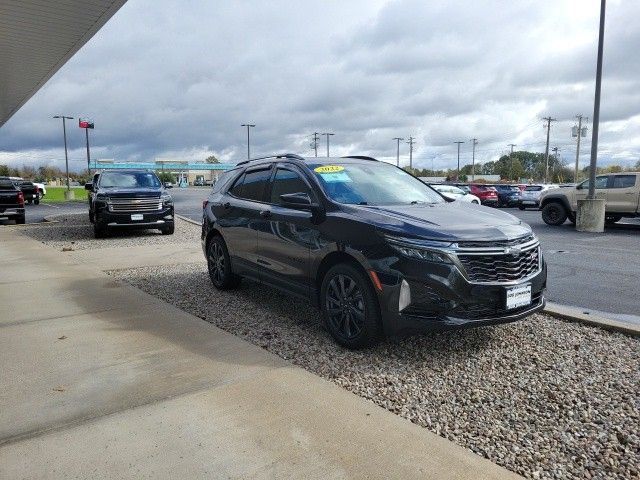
573, 314
188, 220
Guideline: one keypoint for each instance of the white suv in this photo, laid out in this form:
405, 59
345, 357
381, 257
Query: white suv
530, 197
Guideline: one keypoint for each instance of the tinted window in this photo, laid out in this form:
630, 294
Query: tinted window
601, 182
252, 184
624, 181
533, 188
6, 185
223, 180
287, 181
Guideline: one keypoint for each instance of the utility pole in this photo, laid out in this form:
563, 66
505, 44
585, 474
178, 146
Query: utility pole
315, 143
555, 154
575, 174
511, 161
248, 125
473, 159
546, 150
411, 142
66, 156
328, 135
398, 140
458, 170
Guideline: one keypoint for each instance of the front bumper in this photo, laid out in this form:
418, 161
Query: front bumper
158, 219
444, 299
529, 203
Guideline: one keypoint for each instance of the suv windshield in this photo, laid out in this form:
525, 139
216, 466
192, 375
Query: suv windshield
372, 183
129, 180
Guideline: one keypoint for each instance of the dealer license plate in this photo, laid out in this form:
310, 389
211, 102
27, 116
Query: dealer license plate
137, 216
519, 296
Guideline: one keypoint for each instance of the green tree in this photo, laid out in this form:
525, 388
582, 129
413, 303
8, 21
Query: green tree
4, 171
211, 159
165, 176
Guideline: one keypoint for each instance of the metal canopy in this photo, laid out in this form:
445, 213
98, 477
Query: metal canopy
37, 37
179, 166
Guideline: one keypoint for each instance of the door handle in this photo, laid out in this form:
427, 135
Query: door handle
265, 213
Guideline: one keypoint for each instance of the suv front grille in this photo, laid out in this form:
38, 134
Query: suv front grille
135, 204
503, 267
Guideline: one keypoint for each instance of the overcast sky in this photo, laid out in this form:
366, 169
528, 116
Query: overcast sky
168, 81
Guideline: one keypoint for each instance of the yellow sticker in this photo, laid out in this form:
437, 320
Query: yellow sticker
329, 169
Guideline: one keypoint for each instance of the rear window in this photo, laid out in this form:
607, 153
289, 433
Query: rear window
533, 188
624, 181
6, 185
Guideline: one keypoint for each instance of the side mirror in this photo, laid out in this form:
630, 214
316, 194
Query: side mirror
296, 200
88, 186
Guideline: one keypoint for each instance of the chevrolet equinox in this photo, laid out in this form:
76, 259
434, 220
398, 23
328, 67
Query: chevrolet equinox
378, 251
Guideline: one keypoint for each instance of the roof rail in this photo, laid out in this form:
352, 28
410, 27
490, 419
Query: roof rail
278, 155
361, 157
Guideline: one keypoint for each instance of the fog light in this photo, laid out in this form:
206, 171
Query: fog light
405, 296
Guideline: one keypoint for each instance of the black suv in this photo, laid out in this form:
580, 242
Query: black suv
376, 249
129, 198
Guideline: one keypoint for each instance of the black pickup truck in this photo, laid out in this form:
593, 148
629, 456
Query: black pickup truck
129, 199
11, 201
30, 191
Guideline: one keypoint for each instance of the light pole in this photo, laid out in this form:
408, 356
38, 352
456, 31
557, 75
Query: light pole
398, 140
458, 170
511, 161
591, 211
66, 156
473, 159
248, 125
328, 135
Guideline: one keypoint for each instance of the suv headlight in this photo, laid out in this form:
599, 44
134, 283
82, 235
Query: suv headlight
428, 250
166, 199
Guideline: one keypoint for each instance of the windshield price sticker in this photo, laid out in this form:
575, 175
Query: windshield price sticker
328, 169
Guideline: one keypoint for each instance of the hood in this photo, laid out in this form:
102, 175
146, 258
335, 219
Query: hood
117, 192
454, 221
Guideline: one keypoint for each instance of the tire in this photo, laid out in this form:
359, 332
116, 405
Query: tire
521, 207
91, 216
99, 230
20, 220
168, 230
475, 202
29, 201
572, 217
554, 214
37, 201
612, 219
219, 265
350, 307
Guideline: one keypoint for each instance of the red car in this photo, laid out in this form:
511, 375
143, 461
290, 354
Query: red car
487, 195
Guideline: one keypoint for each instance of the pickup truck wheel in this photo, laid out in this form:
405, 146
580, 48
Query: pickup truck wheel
554, 214
168, 230
20, 220
521, 207
572, 217
37, 200
350, 307
99, 230
611, 219
219, 265
90, 216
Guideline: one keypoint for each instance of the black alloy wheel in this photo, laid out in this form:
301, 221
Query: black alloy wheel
612, 219
350, 307
219, 265
554, 214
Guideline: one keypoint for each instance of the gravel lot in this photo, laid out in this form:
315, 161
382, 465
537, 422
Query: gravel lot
75, 232
541, 397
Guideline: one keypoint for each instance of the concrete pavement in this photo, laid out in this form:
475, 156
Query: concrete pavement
101, 380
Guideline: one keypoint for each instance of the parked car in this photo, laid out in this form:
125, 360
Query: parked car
486, 193
530, 198
11, 201
454, 193
508, 195
621, 192
30, 191
377, 250
129, 199
198, 182
41, 188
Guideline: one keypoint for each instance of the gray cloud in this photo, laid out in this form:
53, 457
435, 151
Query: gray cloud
161, 83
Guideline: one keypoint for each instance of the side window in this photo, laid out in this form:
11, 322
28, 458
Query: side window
254, 184
624, 181
287, 181
601, 182
223, 180
236, 190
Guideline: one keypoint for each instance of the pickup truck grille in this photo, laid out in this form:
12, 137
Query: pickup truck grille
135, 204
511, 265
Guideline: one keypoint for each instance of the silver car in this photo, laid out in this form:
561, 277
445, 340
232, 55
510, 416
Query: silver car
530, 196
